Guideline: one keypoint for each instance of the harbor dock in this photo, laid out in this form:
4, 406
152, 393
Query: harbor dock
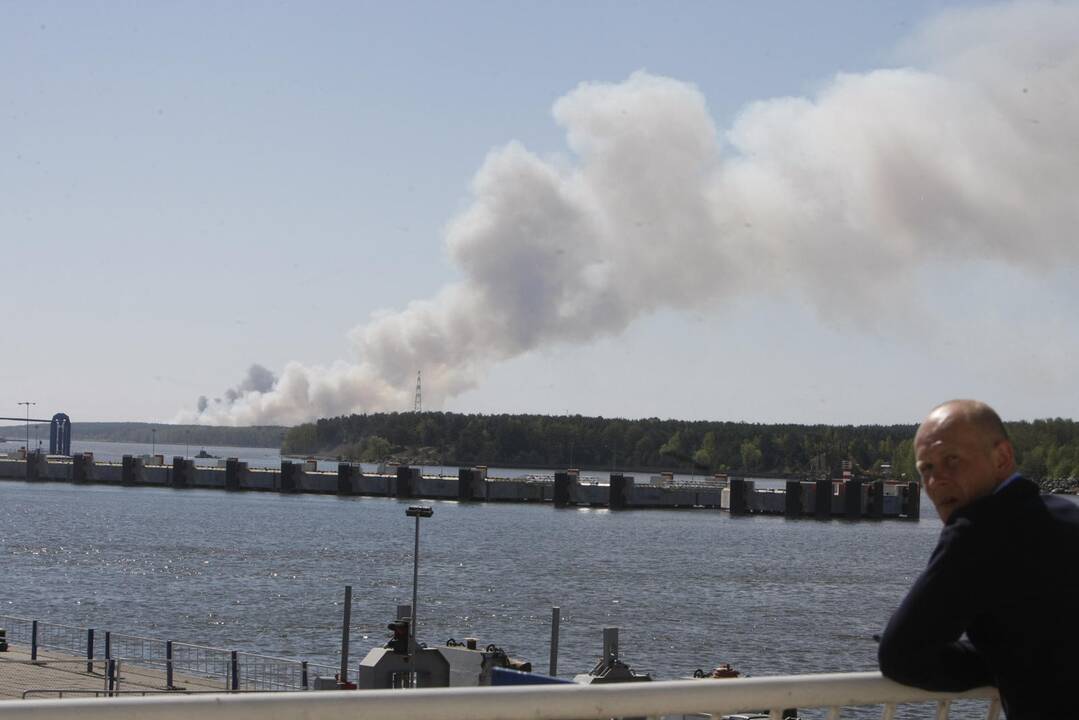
54, 674
849, 498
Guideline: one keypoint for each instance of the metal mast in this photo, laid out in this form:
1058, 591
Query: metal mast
417, 405
28, 404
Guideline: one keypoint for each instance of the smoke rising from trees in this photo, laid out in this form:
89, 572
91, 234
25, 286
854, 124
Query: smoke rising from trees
970, 152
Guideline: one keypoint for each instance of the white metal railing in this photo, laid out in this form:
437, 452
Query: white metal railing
553, 702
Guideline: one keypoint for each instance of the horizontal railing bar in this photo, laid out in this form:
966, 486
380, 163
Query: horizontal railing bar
554, 702
42, 623
147, 692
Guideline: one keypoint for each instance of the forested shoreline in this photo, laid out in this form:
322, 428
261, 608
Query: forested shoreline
267, 436
1045, 448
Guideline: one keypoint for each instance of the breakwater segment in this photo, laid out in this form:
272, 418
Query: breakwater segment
822, 499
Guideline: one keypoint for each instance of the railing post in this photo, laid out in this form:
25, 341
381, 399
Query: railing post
33, 640
303, 675
110, 681
345, 622
235, 671
89, 650
108, 645
168, 664
556, 615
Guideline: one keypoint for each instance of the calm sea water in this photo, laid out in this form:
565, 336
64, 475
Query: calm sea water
265, 572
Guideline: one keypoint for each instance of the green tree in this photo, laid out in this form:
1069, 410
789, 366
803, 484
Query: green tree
675, 446
707, 455
376, 449
751, 454
300, 440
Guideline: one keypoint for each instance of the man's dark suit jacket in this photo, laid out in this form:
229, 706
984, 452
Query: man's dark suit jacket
1006, 573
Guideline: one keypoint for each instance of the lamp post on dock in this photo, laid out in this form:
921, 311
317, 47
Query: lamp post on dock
28, 404
416, 511
153, 441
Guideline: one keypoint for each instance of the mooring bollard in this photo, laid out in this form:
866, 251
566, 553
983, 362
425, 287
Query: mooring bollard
556, 617
33, 640
90, 650
235, 684
345, 623
168, 664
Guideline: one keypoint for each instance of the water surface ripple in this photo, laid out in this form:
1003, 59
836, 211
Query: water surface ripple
264, 572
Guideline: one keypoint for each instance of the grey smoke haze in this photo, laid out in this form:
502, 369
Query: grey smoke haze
258, 380
971, 151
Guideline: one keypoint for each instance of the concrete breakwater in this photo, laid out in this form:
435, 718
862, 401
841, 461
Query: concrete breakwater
849, 498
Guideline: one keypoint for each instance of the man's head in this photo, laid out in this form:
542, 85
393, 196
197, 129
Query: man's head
962, 452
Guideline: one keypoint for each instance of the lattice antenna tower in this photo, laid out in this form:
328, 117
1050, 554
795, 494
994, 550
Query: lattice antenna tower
417, 405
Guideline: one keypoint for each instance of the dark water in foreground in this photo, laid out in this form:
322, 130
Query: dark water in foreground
265, 573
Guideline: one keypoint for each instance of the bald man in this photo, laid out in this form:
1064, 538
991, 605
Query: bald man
998, 603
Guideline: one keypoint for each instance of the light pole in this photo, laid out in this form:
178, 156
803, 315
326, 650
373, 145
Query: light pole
28, 404
153, 441
416, 511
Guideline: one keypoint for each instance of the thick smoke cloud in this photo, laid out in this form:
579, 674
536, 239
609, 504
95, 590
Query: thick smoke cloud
258, 380
971, 151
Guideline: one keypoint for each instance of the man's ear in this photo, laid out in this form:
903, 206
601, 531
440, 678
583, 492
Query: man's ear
1004, 458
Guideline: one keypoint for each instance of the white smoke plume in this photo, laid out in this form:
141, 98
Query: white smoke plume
258, 380
969, 152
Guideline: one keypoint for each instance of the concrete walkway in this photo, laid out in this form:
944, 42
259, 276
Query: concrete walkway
55, 671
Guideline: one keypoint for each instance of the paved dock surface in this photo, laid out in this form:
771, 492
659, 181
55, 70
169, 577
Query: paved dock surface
54, 672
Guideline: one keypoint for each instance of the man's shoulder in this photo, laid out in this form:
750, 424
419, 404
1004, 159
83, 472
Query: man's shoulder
1019, 498
991, 520
1017, 522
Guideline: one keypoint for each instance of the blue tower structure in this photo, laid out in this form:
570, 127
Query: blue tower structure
60, 435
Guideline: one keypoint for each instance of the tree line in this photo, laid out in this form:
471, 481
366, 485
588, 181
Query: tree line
265, 436
1046, 448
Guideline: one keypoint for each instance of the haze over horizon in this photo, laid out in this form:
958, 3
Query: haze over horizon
266, 215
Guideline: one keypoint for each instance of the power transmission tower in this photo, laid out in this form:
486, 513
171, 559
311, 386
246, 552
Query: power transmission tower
417, 405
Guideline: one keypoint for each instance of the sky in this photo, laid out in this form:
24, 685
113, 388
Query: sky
263, 213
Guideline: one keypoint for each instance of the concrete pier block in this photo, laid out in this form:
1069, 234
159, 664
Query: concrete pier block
852, 499
471, 485
345, 473
876, 499
82, 469
739, 496
291, 476
407, 482
563, 489
619, 491
912, 501
822, 509
235, 474
792, 503
183, 472
131, 471
35, 466
464, 484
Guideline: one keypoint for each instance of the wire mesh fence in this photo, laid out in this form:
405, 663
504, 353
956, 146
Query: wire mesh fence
18, 676
259, 672
19, 630
66, 638
156, 663
134, 648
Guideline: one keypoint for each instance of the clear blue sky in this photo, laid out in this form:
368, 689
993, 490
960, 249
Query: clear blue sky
189, 188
